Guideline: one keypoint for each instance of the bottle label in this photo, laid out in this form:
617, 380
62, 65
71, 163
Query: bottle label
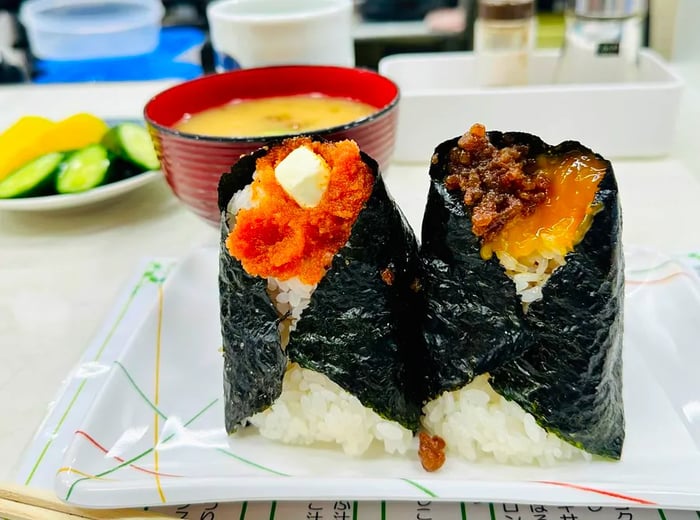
606, 49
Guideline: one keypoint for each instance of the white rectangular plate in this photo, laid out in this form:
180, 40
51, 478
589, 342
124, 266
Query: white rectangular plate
155, 434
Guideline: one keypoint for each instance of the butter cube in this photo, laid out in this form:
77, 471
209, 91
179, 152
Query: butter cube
304, 176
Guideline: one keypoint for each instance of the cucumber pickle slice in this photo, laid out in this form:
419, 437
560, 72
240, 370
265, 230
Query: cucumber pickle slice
34, 178
83, 170
132, 142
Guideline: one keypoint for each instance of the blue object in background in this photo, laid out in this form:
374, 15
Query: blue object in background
224, 62
162, 63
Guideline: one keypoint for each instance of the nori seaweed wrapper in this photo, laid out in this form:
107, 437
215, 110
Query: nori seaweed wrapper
358, 330
562, 359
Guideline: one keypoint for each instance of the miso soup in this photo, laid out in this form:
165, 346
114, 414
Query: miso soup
274, 116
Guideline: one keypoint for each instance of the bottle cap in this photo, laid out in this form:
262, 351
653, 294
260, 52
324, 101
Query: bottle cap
506, 9
607, 8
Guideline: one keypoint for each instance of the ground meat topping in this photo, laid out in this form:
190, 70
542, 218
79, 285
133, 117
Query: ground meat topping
499, 184
431, 451
387, 275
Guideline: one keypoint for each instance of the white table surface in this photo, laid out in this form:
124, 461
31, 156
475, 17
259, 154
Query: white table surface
60, 272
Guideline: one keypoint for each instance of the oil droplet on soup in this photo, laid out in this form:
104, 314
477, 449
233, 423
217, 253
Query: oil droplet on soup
274, 116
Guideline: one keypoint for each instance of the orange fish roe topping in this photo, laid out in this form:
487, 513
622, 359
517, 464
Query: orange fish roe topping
277, 237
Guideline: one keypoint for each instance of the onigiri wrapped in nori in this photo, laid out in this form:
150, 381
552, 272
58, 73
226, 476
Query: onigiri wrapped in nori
318, 282
524, 283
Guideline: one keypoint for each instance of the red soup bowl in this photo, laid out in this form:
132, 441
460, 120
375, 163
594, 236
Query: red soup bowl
193, 164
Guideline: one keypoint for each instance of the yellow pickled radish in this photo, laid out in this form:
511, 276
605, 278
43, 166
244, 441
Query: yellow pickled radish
26, 127
71, 133
76, 131
18, 141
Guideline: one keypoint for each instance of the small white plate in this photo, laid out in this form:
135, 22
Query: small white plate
86, 198
155, 433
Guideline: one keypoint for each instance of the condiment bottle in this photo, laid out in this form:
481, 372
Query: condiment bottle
504, 36
602, 41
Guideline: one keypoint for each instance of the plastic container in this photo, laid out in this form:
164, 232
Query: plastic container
621, 119
90, 29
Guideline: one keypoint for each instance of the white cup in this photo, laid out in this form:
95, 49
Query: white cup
256, 33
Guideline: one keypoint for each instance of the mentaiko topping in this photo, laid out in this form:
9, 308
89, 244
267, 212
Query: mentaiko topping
279, 238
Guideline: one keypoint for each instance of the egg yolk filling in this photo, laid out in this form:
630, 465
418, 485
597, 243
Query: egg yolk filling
558, 223
528, 210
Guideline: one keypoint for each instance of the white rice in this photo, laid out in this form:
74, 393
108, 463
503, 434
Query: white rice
477, 423
242, 199
313, 409
530, 274
290, 297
